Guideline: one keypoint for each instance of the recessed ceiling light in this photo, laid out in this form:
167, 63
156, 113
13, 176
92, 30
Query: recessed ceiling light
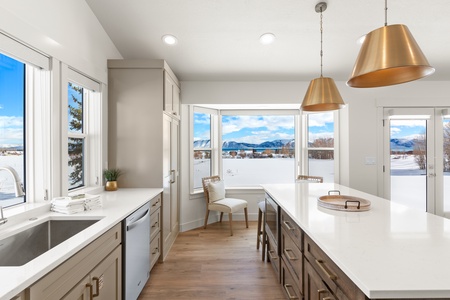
267, 38
169, 39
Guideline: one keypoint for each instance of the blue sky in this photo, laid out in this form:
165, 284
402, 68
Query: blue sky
407, 129
11, 101
258, 129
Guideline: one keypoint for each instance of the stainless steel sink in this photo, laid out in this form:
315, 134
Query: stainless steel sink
28, 244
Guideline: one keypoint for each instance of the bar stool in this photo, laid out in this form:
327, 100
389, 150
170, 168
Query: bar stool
261, 237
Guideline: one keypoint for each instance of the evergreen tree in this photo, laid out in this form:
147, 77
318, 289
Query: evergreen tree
75, 145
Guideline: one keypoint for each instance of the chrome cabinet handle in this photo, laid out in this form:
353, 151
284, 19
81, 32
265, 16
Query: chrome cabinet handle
321, 265
319, 292
286, 288
155, 224
156, 250
91, 292
97, 287
286, 251
288, 225
272, 256
172, 175
156, 203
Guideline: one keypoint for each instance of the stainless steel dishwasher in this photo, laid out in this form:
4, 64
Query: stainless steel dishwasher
136, 252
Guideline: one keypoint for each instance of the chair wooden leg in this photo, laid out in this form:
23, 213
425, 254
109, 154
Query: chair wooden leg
206, 218
230, 216
264, 242
221, 216
259, 229
246, 216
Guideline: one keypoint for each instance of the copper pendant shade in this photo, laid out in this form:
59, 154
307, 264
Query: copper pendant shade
322, 95
388, 56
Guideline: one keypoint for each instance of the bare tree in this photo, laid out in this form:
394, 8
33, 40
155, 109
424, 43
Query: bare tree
420, 151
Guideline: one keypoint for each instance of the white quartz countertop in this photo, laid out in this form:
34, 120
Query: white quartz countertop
390, 251
116, 206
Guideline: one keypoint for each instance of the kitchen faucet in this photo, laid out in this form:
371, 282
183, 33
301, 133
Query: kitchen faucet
2, 219
18, 186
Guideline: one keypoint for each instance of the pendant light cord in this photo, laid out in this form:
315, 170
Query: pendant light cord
385, 12
321, 42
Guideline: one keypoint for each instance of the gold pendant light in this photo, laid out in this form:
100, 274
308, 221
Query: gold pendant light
322, 93
389, 55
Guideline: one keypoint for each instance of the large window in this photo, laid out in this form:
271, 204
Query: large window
84, 131
250, 147
321, 145
202, 147
258, 149
12, 129
76, 135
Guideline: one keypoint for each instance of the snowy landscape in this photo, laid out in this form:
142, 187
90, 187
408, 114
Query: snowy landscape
7, 195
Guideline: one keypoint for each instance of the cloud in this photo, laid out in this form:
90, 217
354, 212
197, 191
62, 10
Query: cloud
408, 123
395, 130
10, 121
320, 119
236, 123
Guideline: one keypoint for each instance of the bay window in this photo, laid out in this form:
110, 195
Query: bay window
257, 147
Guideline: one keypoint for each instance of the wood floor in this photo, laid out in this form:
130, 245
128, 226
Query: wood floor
211, 264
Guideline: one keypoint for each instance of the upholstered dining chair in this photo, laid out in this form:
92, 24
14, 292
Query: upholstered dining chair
214, 190
307, 178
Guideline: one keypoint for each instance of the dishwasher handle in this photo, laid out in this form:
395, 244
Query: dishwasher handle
133, 224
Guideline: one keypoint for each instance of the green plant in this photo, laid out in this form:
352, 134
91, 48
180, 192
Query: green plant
112, 174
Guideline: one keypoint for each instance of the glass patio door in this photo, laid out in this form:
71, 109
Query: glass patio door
417, 158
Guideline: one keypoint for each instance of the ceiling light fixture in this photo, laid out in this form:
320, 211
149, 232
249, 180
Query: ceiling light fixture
169, 39
389, 55
267, 38
322, 93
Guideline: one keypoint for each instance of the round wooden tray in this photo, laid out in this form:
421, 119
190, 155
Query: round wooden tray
343, 202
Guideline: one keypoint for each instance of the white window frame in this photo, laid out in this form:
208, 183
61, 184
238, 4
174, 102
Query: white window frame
305, 148
93, 123
37, 116
214, 142
216, 135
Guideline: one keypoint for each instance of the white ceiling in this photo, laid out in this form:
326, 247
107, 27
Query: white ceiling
219, 39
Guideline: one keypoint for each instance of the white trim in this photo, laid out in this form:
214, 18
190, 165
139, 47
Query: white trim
78, 78
22, 52
259, 112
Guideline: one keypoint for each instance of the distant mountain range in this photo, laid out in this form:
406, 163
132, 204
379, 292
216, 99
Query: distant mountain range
232, 145
402, 144
396, 144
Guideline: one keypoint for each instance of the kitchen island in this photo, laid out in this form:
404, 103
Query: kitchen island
116, 206
388, 252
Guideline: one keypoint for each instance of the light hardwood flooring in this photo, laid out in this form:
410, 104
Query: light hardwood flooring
211, 264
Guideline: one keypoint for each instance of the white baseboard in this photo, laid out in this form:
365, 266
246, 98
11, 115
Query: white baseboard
213, 219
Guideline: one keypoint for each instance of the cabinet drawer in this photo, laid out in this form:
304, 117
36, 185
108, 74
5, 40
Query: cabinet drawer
292, 256
292, 229
155, 203
155, 223
289, 283
330, 273
315, 288
155, 250
61, 280
272, 256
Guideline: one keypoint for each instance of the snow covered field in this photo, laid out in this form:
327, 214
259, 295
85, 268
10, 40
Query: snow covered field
408, 186
7, 181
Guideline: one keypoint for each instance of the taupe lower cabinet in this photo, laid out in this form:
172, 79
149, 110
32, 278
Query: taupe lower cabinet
93, 272
143, 134
155, 230
304, 270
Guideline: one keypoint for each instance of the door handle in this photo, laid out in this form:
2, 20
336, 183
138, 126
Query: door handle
172, 176
140, 220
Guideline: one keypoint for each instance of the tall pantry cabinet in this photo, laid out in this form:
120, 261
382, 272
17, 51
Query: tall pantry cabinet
143, 133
